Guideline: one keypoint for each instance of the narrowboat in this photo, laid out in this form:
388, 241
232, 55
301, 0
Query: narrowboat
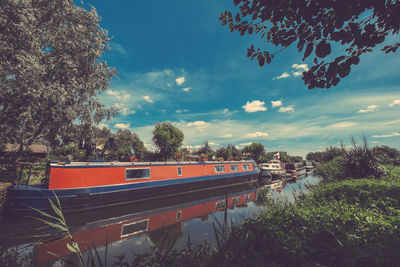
83, 186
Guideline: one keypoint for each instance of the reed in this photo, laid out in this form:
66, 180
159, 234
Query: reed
58, 222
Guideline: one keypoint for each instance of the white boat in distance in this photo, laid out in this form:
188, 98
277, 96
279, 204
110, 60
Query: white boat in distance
270, 168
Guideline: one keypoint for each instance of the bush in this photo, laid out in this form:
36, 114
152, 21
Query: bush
361, 162
330, 171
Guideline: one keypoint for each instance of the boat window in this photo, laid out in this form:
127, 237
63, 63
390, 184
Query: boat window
131, 174
220, 205
178, 216
235, 200
234, 168
246, 167
135, 227
247, 197
219, 168
179, 170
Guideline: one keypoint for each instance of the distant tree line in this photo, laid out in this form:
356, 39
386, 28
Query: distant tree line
384, 154
255, 151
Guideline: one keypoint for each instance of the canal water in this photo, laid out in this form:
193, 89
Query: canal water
122, 231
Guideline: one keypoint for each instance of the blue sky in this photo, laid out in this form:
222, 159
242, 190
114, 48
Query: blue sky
177, 63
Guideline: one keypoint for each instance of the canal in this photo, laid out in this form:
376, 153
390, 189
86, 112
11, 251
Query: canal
138, 228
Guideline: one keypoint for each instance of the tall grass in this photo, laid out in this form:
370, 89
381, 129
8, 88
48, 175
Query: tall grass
58, 222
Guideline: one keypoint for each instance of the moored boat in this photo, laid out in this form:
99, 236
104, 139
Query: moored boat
86, 185
309, 165
271, 172
300, 169
291, 170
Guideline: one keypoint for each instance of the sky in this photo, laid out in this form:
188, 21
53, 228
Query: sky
177, 63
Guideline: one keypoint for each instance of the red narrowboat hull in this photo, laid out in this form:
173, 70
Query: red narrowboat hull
83, 186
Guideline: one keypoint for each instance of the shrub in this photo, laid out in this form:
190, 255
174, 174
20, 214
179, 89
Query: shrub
360, 162
330, 171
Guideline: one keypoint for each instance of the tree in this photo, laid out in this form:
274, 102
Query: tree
327, 155
357, 25
387, 155
126, 141
167, 138
205, 149
256, 150
228, 153
51, 70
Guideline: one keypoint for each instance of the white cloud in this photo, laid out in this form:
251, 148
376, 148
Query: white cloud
394, 103
344, 124
180, 80
127, 111
119, 105
186, 89
256, 135
226, 136
181, 110
297, 73
254, 106
102, 125
169, 84
245, 144
370, 108
191, 148
212, 144
276, 103
122, 125
386, 135
284, 75
286, 109
148, 99
122, 96
303, 67
119, 49
199, 124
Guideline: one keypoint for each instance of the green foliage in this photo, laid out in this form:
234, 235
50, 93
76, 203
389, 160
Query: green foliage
167, 138
327, 155
256, 150
316, 25
51, 69
361, 162
387, 155
349, 223
79, 144
125, 140
228, 152
205, 149
330, 171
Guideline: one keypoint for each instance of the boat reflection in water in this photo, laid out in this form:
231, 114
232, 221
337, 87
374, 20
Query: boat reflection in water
142, 220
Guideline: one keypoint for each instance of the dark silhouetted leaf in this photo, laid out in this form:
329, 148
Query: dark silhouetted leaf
261, 60
323, 49
308, 51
